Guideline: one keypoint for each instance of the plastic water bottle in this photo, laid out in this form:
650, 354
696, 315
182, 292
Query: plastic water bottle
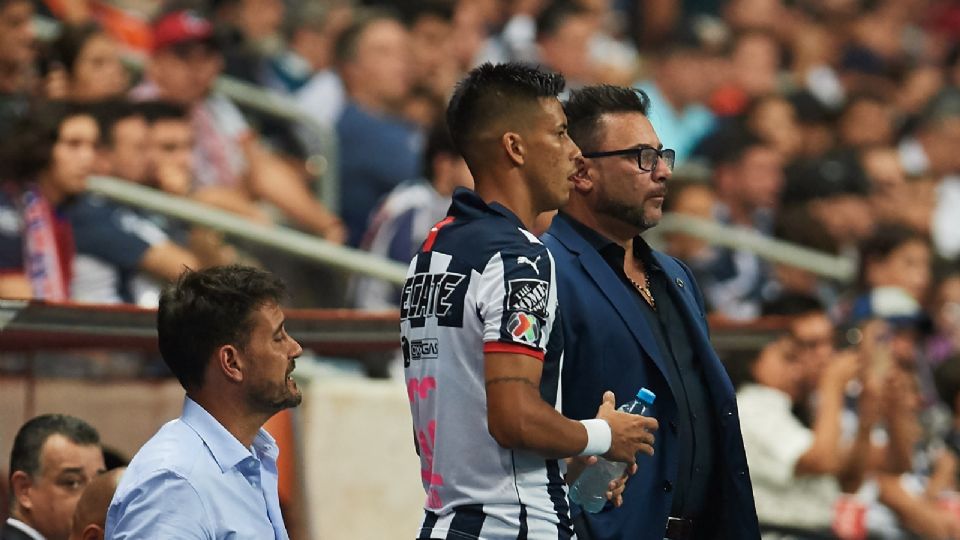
590, 489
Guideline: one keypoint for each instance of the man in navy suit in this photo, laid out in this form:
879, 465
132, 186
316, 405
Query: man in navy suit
634, 317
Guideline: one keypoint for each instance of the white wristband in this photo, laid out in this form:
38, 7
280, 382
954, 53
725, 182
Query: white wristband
599, 437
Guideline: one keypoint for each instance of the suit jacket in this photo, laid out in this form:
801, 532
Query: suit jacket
608, 346
8, 532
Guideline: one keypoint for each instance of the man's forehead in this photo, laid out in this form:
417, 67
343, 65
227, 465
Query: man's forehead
628, 129
59, 452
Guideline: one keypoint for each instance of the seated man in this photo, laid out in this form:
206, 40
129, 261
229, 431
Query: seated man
54, 456
405, 216
116, 243
796, 470
212, 473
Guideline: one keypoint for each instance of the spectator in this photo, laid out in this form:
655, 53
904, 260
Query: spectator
944, 342
406, 215
894, 256
894, 199
184, 65
564, 30
49, 161
86, 65
91, 515
747, 179
221, 333
54, 456
435, 71
695, 199
866, 121
773, 119
834, 187
799, 225
315, 84
16, 60
378, 150
115, 243
678, 94
795, 469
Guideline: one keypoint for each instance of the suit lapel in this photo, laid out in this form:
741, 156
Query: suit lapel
614, 289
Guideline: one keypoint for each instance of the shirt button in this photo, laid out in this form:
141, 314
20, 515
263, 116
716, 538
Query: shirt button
673, 426
667, 486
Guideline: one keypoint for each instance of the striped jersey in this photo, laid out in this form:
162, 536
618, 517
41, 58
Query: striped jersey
480, 283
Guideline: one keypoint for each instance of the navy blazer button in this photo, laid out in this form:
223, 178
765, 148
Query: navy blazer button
673, 426
742, 473
679, 283
667, 486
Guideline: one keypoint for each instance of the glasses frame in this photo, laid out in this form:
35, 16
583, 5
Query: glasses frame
638, 151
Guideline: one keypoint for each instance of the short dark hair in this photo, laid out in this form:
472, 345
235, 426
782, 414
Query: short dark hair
492, 93
946, 378
345, 48
886, 238
159, 110
111, 112
551, 19
70, 43
30, 152
31, 437
587, 105
206, 309
794, 305
412, 12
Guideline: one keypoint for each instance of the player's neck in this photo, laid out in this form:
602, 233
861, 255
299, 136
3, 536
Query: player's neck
509, 194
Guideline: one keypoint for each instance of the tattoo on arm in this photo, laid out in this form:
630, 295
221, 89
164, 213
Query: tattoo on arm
521, 380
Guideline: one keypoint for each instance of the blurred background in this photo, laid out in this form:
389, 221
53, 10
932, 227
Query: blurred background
816, 197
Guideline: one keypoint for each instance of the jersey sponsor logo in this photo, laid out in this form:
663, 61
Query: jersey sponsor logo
424, 349
533, 264
434, 295
528, 295
524, 328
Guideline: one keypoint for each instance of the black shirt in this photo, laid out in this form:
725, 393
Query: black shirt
695, 425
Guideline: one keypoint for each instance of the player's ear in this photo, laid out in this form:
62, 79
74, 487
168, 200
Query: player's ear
514, 147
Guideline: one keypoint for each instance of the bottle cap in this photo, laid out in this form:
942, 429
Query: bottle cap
646, 396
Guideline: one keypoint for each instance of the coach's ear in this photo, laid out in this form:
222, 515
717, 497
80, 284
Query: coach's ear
513, 145
583, 178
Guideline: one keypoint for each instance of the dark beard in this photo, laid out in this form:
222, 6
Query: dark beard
631, 215
267, 398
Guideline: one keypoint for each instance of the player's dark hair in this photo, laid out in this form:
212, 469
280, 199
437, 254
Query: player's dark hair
587, 105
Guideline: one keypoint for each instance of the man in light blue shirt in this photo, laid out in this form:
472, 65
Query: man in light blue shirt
212, 473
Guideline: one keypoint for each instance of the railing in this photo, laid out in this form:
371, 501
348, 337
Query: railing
289, 241
842, 269
322, 163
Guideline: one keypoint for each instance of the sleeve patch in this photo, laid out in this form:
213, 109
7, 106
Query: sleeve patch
528, 295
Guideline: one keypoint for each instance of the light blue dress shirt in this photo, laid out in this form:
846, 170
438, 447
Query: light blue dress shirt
194, 480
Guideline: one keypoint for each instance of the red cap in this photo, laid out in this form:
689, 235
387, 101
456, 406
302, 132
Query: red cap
180, 27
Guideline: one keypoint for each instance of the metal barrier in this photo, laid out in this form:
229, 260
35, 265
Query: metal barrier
842, 269
282, 239
322, 163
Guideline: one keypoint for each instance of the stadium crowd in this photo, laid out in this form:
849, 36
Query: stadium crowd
832, 124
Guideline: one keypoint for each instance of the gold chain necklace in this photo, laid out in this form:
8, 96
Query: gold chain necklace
644, 290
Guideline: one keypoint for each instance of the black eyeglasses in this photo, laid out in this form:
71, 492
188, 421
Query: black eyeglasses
647, 156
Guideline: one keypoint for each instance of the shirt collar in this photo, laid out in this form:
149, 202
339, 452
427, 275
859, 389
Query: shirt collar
467, 203
25, 529
226, 449
603, 244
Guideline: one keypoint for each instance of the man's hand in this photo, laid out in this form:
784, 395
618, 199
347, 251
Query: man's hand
631, 433
578, 464
615, 487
